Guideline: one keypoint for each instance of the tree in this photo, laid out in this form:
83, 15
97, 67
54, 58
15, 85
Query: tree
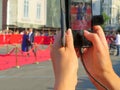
106, 18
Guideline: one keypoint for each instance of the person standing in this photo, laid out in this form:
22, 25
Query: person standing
31, 38
24, 46
79, 11
117, 42
31, 41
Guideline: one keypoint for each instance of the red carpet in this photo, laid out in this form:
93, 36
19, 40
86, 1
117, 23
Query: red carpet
21, 58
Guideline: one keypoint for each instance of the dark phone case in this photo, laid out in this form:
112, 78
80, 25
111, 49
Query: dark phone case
79, 39
78, 35
63, 21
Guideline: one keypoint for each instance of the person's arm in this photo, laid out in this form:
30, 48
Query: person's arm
33, 36
65, 63
98, 62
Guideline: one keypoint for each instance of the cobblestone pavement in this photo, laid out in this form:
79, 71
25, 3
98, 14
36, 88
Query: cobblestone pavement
40, 77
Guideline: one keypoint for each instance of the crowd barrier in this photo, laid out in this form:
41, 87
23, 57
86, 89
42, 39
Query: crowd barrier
17, 58
17, 39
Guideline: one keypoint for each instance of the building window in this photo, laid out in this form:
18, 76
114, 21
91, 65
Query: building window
38, 11
26, 8
93, 8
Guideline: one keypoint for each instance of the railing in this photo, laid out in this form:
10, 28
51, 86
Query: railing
15, 57
17, 39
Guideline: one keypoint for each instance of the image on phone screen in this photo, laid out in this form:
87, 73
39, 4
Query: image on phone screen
81, 14
80, 19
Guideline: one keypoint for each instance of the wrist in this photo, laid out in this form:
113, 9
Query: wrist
110, 80
65, 83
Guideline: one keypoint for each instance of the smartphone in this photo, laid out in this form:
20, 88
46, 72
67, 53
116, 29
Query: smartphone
78, 15
63, 21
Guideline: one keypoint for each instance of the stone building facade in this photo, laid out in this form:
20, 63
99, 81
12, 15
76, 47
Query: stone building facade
26, 13
38, 13
22, 13
112, 9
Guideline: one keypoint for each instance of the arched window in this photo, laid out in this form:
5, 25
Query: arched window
26, 8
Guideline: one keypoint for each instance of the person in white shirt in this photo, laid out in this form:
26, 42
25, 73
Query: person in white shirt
117, 42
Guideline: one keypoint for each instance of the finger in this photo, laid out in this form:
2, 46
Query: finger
52, 54
77, 50
57, 40
94, 38
69, 39
101, 35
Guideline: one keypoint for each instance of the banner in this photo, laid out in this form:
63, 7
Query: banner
20, 58
17, 39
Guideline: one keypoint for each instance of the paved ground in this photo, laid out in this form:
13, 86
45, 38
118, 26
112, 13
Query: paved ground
40, 77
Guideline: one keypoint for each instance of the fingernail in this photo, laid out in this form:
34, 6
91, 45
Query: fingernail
69, 32
86, 32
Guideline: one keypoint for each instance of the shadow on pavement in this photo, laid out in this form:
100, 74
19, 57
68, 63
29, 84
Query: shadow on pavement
116, 67
50, 88
85, 84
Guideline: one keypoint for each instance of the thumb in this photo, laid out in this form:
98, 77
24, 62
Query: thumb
69, 39
93, 37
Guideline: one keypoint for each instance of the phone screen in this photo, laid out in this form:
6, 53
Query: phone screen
80, 14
